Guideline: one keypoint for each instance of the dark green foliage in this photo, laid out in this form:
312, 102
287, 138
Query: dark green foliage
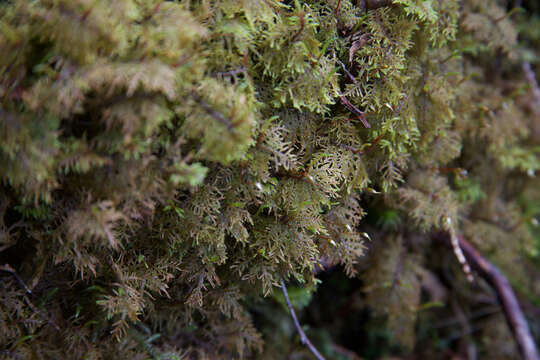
164, 165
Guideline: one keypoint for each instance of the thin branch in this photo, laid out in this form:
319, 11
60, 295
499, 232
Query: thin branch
458, 251
358, 43
531, 79
336, 10
230, 72
363, 152
303, 338
12, 272
210, 111
302, 24
359, 113
234, 72
351, 355
512, 311
7, 268
508, 14
347, 72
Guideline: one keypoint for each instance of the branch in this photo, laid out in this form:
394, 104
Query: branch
359, 113
218, 116
531, 79
349, 354
302, 24
336, 10
230, 73
512, 311
346, 71
368, 149
303, 338
12, 272
7, 268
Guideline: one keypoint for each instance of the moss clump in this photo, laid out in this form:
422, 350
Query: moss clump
163, 165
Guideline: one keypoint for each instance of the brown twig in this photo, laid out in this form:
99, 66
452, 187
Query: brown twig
359, 151
230, 72
359, 113
302, 24
7, 268
373, 144
241, 70
531, 79
351, 355
301, 176
12, 272
210, 111
512, 311
358, 42
347, 72
303, 338
336, 10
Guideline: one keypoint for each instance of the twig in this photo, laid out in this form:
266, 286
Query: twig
359, 113
234, 72
346, 71
351, 355
12, 272
230, 72
303, 338
336, 10
7, 268
368, 149
302, 24
531, 79
358, 42
458, 251
512, 311
218, 116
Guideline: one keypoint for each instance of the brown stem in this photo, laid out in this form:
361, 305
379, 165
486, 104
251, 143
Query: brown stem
531, 79
368, 149
230, 72
303, 338
218, 116
7, 268
302, 24
336, 10
359, 113
512, 311
349, 354
347, 72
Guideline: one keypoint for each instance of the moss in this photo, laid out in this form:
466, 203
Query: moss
166, 164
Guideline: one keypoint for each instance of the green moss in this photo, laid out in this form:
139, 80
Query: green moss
184, 157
